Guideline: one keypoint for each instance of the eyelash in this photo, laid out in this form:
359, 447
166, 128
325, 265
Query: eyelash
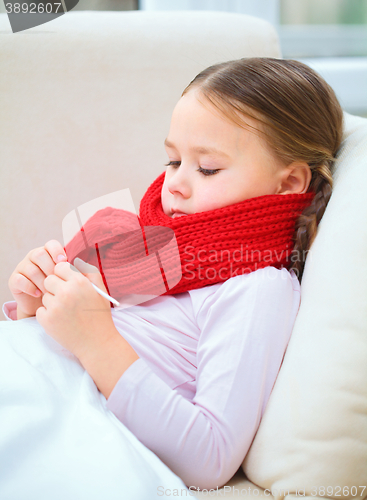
204, 171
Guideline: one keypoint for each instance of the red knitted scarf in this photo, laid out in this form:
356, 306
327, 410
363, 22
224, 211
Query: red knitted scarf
139, 255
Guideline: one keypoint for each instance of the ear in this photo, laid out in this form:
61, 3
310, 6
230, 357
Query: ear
295, 178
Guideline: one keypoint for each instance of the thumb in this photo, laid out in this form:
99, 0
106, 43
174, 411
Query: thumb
90, 272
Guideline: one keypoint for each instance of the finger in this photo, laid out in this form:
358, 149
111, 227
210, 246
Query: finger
56, 251
33, 273
46, 300
90, 272
67, 271
52, 284
40, 315
42, 259
84, 267
21, 284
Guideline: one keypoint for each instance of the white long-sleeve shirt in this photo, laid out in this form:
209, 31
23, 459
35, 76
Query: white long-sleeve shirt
208, 362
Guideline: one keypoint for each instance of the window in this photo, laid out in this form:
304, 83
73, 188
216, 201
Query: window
331, 37
328, 35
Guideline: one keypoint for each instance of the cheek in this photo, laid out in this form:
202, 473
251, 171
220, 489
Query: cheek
165, 194
212, 196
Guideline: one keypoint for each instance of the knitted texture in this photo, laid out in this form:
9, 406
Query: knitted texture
138, 255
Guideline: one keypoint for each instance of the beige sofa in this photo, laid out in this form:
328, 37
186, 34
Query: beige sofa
86, 102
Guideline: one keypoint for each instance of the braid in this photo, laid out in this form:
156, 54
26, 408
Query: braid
307, 222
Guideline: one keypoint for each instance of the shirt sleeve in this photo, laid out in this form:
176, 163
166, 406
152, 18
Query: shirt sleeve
10, 310
245, 328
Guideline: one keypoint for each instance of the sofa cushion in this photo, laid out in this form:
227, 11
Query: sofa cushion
314, 430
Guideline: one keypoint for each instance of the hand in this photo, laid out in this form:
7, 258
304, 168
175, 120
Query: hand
26, 283
73, 313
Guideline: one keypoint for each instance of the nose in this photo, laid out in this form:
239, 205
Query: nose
178, 183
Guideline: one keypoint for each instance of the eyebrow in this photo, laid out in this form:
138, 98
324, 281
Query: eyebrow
201, 150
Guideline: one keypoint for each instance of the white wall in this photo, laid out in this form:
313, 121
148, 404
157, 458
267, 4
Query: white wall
348, 77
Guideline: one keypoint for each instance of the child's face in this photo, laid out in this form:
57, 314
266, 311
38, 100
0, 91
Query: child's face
245, 168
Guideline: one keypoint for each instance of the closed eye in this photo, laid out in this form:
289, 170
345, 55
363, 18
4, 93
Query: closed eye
207, 171
173, 164
204, 171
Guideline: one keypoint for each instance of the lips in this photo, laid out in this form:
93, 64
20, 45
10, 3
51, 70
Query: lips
177, 213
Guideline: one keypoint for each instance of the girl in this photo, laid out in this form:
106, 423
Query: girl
251, 147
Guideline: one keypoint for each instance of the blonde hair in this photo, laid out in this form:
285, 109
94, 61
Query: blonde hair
299, 116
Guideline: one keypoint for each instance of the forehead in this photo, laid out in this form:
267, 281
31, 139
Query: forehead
197, 119
194, 101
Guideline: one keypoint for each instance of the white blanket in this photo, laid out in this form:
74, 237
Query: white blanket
57, 439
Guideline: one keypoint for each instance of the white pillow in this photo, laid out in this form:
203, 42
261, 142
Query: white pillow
313, 435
